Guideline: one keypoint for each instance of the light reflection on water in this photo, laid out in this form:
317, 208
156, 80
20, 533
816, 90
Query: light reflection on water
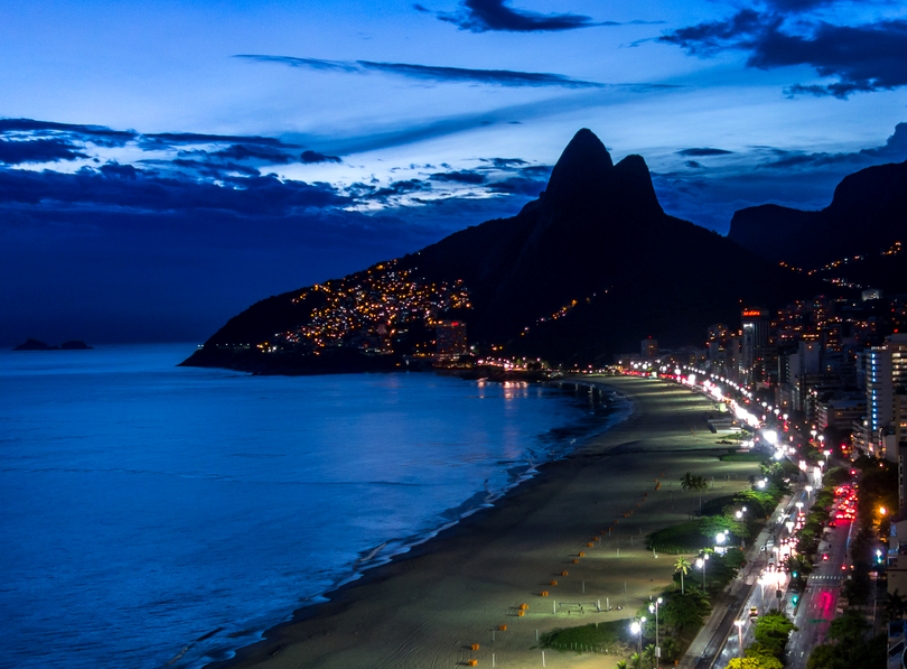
146, 506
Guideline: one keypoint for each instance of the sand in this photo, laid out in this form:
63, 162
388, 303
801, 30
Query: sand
427, 608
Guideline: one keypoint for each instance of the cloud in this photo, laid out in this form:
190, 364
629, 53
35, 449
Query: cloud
433, 73
310, 156
505, 162
116, 187
518, 186
37, 151
94, 133
863, 58
794, 6
692, 164
894, 149
397, 188
461, 176
174, 139
485, 15
698, 153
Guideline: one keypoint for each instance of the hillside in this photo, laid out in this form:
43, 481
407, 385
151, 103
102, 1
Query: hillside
579, 275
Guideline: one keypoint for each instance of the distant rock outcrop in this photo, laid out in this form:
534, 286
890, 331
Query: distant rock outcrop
36, 345
867, 215
33, 345
586, 271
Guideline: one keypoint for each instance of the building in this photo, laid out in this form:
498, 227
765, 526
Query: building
839, 414
885, 369
451, 339
648, 348
754, 343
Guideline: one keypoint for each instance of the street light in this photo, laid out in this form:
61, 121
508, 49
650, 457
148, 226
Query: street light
700, 564
799, 506
653, 608
636, 628
809, 491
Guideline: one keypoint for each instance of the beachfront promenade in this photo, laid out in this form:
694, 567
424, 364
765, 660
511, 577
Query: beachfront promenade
550, 535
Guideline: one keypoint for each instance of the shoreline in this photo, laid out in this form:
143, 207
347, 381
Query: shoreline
427, 606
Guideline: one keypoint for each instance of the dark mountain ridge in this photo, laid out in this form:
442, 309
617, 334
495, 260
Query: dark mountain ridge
580, 274
867, 214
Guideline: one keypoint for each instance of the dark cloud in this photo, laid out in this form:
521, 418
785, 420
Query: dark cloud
461, 176
741, 31
794, 6
518, 186
485, 15
692, 164
397, 188
537, 170
106, 189
432, 72
215, 169
114, 169
503, 163
310, 156
864, 58
96, 134
698, 153
254, 152
895, 150
174, 139
37, 151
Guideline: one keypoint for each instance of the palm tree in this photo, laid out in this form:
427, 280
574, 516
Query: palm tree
682, 566
622, 664
688, 481
636, 661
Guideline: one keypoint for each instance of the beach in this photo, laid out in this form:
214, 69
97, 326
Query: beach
428, 608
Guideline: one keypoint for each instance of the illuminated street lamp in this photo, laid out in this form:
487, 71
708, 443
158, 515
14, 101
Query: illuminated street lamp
738, 515
809, 491
700, 564
799, 506
636, 628
653, 608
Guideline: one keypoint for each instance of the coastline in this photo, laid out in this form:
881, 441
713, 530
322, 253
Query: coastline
428, 606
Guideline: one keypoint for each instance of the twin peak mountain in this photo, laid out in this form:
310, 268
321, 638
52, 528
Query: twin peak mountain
586, 271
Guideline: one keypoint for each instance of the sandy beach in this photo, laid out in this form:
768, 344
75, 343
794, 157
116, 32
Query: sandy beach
427, 608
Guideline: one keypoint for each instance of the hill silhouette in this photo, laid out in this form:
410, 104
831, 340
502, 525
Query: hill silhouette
586, 271
868, 213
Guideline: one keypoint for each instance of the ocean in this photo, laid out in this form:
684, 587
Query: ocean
159, 516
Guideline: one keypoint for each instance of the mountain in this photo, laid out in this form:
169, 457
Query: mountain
867, 215
586, 271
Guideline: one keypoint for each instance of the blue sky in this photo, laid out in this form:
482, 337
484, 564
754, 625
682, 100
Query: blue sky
163, 165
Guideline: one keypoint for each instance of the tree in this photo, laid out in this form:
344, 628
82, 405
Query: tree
825, 656
622, 664
848, 629
759, 662
635, 661
772, 631
682, 566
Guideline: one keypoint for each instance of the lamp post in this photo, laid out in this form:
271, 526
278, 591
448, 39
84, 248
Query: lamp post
653, 608
636, 628
700, 564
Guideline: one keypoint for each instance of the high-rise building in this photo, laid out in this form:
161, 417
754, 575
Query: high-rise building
649, 348
755, 340
451, 339
885, 375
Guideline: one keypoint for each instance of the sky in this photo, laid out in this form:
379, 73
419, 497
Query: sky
165, 165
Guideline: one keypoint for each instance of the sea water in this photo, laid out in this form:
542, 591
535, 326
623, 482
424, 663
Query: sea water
154, 515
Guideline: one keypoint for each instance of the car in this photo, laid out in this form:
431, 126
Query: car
825, 557
754, 612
